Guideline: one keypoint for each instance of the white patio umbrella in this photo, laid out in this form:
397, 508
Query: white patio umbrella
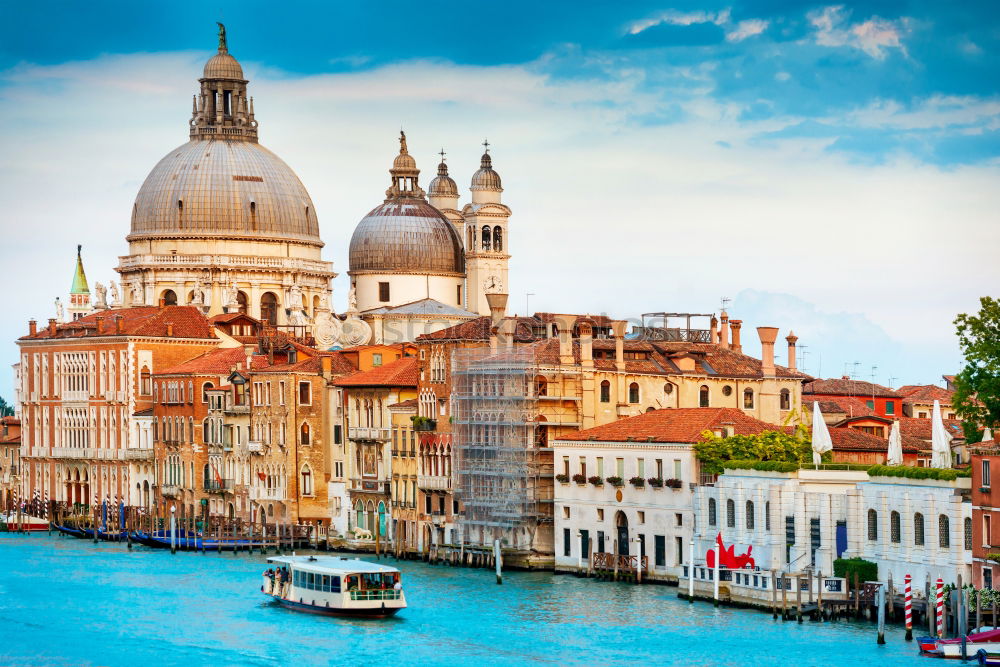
940, 441
821, 441
894, 456
987, 434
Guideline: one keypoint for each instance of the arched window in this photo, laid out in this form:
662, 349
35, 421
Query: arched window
304, 434
145, 382
204, 391
703, 396
872, 525
968, 533
307, 482
243, 302
668, 388
180, 212
711, 512
944, 529
633, 392
206, 431
253, 215
750, 516
269, 308
486, 238
894, 527
748, 398
169, 297
605, 392
730, 514
786, 399
497, 239
767, 516
918, 529
359, 515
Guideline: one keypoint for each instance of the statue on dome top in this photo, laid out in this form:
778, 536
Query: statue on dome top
402, 143
222, 38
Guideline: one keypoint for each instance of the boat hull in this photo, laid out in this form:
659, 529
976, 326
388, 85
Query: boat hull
377, 612
954, 650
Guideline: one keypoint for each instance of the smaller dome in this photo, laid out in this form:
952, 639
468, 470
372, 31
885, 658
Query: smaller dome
223, 66
404, 161
485, 178
442, 185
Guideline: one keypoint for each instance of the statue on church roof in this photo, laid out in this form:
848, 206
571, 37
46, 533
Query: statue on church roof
59, 310
222, 38
116, 297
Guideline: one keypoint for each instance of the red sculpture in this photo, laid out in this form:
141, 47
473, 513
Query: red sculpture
727, 558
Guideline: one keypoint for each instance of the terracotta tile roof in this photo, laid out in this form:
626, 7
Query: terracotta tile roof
11, 439
148, 412
917, 427
849, 406
400, 373
10, 420
409, 403
925, 394
187, 321
673, 425
848, 387
216, 362
479, 330
852, 439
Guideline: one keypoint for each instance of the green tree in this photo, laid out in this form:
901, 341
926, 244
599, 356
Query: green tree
977, 385
5, 408
795, 447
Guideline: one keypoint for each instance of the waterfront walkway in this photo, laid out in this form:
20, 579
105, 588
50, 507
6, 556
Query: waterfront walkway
71, 601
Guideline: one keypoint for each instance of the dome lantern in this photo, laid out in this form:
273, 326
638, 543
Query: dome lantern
222, 109
485, 184
404, 175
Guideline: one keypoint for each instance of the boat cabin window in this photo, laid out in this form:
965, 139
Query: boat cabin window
316, 582
371, 581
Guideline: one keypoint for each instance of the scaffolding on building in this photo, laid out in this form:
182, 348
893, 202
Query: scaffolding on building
494, 411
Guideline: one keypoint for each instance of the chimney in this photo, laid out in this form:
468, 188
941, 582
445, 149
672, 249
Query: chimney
565, 324
52, 326
792, 339
724, 333
99, 320
498, 308
32, 327
170, 329
735, 325
326, 366
586, 345
713, 331
119, 324
767, 338
506, 331
618, 328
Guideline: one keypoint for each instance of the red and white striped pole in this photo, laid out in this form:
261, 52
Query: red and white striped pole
940, 607
908, 608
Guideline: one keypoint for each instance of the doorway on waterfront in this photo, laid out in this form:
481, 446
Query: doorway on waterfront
621, 521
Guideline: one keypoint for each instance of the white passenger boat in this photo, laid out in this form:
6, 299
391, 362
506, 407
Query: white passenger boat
334, 585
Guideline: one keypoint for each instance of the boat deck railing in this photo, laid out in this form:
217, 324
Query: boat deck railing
377, 594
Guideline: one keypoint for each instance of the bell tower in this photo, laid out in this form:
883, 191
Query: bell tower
486, 238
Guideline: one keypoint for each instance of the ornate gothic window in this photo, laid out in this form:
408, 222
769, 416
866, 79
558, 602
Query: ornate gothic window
304, 434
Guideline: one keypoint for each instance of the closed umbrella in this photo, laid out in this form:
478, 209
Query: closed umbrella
821, 441
894, 457
987, 434
940, 440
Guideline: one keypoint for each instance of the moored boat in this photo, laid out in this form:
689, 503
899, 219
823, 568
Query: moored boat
11, 522
987, 640
986, 658
334, 585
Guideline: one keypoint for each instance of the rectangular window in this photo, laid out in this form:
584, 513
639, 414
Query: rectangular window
281, 393
566, 466
427, 504
337, 437
870, 404
600, 514
988, 577
890, 407
659, 468
987, 531
567, 542
377, 359
642, 516
305, 393
986, 473
620, 467
677, 469
585, 543
678, 519
679, 550
458, 294
660, 550
383, 291
640, 468
600, 467
583, 466
600, 541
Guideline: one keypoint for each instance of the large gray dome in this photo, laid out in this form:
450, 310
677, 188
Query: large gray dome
224, 188
406, 235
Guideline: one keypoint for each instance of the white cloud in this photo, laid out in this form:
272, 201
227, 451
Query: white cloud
745, 29
873, 36
674, 17
608, 214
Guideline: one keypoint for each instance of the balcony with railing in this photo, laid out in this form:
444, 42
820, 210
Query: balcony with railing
170, 490
218, 485
236, 409
368, 433
139, 454
260, 493
255, 447
434, 482
370, 485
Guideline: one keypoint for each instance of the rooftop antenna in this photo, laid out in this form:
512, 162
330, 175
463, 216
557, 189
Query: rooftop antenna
874, 371
802, 353
854, 373
725, 302
892, 381
527, 311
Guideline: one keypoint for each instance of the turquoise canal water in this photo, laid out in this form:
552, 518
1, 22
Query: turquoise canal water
69, 602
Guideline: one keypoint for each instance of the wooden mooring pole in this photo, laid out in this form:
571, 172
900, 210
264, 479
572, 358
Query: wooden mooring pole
498, 560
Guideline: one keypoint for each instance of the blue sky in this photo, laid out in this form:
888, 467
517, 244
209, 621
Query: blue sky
831, 166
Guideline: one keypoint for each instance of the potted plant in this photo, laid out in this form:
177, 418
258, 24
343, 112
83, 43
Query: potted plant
655, 482
579, 479
637, 482
595, 480
562, 478
423, 423
674, 483
615, 481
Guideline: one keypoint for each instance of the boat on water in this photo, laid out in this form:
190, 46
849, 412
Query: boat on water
984, 640
188, 540
12, 522
334, 585
986, 658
